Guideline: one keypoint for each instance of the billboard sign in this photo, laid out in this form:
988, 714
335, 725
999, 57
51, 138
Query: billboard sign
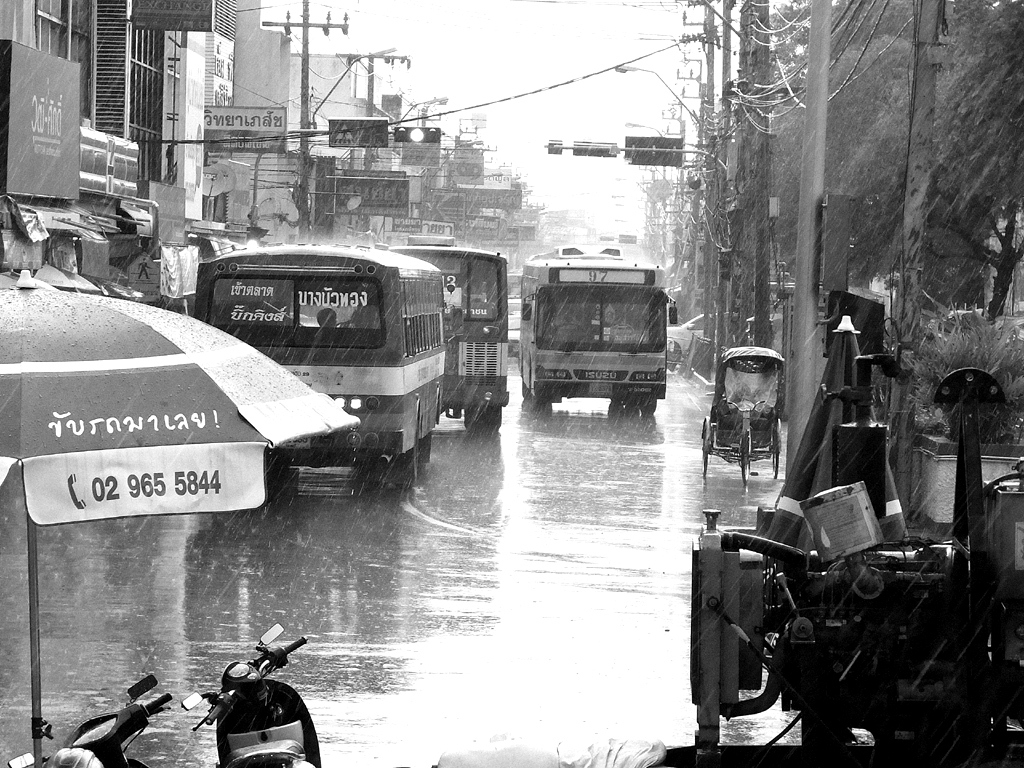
484, 197
467, 165
358, 132
371, 195
245, 129
39, 118
173, 15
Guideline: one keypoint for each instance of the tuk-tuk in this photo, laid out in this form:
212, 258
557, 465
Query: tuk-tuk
743, 425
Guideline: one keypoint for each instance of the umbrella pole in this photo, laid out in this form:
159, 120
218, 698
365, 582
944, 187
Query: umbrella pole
38, 725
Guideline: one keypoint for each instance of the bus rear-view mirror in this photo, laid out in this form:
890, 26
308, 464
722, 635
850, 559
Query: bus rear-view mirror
527, 312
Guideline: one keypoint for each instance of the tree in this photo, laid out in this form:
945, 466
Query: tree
979, 180
979, 171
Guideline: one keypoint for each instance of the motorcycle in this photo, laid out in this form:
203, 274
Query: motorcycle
105, 737
261, 723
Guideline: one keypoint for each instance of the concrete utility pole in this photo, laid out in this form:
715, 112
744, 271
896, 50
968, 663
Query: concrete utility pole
304, 169
753, 175
724, 323
806, 350
707, 109
915, 216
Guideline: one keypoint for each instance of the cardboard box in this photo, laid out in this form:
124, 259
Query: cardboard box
842, 521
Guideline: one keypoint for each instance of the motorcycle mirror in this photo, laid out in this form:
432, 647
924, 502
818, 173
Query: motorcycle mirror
271, 634
22, 761
145, 685
191, 702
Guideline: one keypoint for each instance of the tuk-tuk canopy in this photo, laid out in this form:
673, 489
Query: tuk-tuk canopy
749, 373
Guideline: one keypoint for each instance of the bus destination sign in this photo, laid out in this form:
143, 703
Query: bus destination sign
619, 276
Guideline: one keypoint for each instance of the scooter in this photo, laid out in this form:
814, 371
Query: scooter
105, 737
261, 723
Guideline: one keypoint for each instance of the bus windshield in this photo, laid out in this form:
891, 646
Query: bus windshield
470, 285
307, 311
606, 318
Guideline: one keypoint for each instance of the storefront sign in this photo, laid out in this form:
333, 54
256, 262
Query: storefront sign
39, 118
189, 156
371, 196
247, 129
442, 228
467, 165
406, 226
173, 15
484, 197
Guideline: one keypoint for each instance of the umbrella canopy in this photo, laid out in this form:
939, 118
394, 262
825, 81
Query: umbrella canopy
66, 281
812, 470
96, 389
112, 408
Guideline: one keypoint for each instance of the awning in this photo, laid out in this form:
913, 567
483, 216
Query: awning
64, 220
142, 218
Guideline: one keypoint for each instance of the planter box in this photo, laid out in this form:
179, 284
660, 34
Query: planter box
935, 475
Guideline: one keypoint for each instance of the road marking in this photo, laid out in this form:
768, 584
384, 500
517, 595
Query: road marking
409, 507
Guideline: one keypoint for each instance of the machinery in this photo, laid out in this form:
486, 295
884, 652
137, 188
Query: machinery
918, 642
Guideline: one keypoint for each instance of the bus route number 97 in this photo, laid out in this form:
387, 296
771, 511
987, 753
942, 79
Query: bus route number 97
598, 275
149, 484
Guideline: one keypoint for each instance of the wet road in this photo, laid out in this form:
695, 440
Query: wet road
536, 585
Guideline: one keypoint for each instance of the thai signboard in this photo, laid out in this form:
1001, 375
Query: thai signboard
173, 15
247, 129
484, 197
467, 165
39, 118
422, 155
369, 195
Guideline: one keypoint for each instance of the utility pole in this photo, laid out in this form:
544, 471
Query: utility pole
753, 171
710, 260
806, 336
915, 217
725, 252
301, 196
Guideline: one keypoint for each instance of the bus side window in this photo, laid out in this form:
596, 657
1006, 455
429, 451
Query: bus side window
526, 313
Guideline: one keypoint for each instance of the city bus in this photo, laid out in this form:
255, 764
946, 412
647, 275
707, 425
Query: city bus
476, 328
594, 325
361, 325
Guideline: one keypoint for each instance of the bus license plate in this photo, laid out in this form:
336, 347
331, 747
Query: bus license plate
601, 389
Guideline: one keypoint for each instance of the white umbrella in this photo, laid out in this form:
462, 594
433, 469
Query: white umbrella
118, 409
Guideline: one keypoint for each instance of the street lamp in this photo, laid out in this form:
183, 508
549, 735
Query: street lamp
623, 69
351, 63
422, 107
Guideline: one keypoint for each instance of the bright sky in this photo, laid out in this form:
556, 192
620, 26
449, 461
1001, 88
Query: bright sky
476, 51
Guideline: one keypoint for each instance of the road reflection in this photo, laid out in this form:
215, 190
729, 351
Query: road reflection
534, 584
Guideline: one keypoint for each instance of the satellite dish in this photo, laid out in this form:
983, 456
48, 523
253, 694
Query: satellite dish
218, 179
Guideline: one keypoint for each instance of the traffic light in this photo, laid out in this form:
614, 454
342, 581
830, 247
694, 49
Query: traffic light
418, 134
654, 150
594, 149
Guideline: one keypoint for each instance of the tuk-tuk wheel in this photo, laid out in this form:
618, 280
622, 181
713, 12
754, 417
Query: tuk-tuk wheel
745, 455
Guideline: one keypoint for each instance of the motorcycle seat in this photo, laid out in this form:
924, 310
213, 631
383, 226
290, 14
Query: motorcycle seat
271, 751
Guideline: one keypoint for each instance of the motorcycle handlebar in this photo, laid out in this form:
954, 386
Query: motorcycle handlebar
294, 646
157, 704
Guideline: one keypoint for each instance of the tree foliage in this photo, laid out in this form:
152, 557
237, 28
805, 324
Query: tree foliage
978, 181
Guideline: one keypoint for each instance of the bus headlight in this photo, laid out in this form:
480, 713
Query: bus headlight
553, 373
372, 403
355, 403
339, 400
658, 375
353, 439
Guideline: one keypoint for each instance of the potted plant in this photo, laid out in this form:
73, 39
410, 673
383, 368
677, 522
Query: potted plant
951, 341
